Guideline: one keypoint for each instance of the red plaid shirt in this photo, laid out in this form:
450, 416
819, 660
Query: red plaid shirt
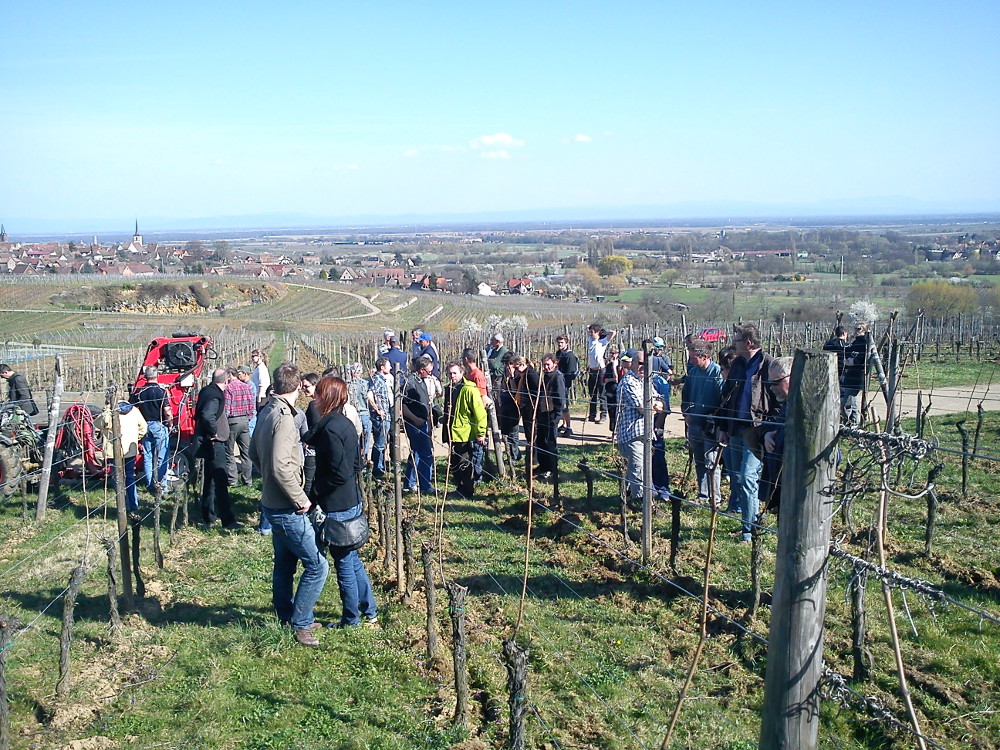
239, 400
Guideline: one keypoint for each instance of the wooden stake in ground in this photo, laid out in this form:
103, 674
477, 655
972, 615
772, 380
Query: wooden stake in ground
116, 620
140, 585
516, 660
408, 560
50, 443
7, 626
157, 506
119, 455
795, 640
65, 682
456, 596
427, 558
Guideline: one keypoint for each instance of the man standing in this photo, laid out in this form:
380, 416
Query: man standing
212, 430
838, 345
746, 402
398, 360
245, 375
700, 403
18, 391
154, 405
856, 374
427, 349
598, 344
383, 394
132, 428
630, 426
276, 451
551, 403
417, 416
478, 378
260, 376
494, 358
779, 381
241, 407
569, 368
464, 427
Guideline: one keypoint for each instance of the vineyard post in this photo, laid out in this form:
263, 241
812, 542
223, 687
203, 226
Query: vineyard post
862, 656
157, 506
50, 443
140, 585
116, 620
7, 627
647, 451
65, 682
491, 413
795, 640
456, 596
408, 561
119, 458
427, 558
398, 488
516, 660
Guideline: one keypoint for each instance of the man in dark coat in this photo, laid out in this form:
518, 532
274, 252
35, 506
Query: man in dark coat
856, 373
212, 432
18, 391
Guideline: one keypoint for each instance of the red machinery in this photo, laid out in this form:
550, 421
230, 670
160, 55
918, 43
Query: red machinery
180, 359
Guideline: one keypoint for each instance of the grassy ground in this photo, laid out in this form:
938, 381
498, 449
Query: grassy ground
203, 663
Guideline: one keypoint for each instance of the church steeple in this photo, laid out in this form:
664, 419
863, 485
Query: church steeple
3, 234
137, 238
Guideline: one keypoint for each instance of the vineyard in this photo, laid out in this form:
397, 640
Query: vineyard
623, 649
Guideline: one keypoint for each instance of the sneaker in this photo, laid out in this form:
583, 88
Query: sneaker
233, 526
369, 622
306, 637
567, 432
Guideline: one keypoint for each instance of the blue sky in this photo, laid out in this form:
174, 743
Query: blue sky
183, 110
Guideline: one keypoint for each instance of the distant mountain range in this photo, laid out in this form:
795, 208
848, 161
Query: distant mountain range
884, 210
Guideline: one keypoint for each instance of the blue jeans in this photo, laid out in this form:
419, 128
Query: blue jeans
131, 492
746, 478
352, 579
704, 449
380, 436
294, 541
421, 461
155, 444
366, 436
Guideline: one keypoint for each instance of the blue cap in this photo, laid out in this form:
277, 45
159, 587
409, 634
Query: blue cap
425, 337
630, 354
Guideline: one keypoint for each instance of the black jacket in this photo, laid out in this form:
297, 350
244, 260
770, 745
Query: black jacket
338, 462
19, 394
838, 347
856, 363
210, 421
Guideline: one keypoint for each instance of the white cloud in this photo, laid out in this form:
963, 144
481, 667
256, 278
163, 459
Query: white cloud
410, 153
498, 139
501, 154
581, 138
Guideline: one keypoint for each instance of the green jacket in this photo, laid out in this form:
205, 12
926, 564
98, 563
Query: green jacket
465, 412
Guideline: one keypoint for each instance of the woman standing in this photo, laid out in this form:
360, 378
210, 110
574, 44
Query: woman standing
336, 490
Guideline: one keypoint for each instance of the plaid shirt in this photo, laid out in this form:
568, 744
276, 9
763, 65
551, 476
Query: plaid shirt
382, 390
239, 400
630, 424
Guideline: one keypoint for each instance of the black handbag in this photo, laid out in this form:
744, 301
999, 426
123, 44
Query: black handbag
350, 535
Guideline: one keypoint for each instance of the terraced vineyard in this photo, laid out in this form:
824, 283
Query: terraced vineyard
303, 304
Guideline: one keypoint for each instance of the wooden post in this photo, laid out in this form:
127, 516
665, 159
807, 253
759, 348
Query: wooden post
516, 660
408, 561
140, 585
456, 595
960, 426
7, 626
647, 452
65, 682
50, 443
123, 544
397, 477
157, 507
862, 656
427, 558
795, 641
116, 620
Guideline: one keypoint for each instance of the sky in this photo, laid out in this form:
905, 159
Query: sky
169, 112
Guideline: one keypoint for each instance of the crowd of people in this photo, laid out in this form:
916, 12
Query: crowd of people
311, 459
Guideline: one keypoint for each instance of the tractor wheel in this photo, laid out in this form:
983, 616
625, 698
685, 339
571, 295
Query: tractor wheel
10, 470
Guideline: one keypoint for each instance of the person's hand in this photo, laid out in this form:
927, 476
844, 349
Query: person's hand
769, 438
481, 440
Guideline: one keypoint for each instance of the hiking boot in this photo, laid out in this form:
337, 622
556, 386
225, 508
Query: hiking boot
306, 637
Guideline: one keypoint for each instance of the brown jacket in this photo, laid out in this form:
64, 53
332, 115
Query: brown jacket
276, 451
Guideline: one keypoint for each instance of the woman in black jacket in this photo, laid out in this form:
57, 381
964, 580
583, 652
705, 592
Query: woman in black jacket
336, 490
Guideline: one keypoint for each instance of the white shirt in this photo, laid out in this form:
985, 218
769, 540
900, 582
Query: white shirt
595, 352
262, 379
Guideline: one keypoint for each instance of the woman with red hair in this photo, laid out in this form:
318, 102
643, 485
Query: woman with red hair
335, 489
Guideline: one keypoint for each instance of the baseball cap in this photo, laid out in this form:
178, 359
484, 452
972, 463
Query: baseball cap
244, 369
659, 342
629, 355
425, 337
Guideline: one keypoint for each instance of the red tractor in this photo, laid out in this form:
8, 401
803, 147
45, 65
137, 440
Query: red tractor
179, 359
